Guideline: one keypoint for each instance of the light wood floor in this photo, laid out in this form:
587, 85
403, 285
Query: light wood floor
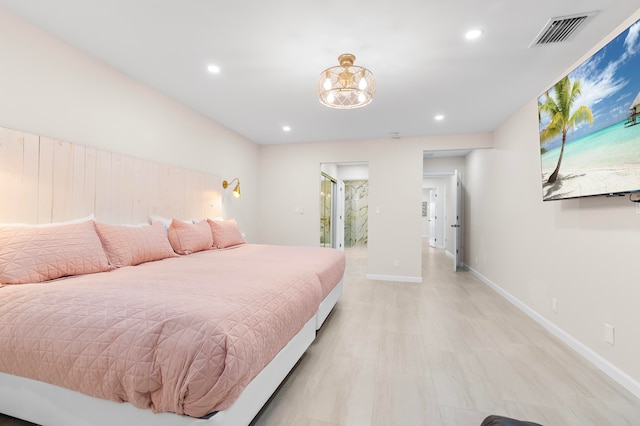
448, 351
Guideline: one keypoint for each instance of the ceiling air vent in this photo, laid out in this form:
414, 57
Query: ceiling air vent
561, 29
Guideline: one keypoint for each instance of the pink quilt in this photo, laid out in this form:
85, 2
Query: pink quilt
183, 335
328, 264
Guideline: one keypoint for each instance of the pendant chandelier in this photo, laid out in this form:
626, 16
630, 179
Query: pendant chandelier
347, 85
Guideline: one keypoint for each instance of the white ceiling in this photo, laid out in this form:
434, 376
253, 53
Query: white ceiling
271, 54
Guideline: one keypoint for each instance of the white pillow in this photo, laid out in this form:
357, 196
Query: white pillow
166, 223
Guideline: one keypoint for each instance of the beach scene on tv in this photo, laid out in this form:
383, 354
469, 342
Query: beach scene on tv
590, 124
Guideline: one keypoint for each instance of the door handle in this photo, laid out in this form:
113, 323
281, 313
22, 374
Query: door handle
455, 226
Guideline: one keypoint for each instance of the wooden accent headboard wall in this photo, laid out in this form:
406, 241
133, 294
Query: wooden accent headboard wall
43, 180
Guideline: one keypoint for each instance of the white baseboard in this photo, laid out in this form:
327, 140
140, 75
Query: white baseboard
601, 363
399, 278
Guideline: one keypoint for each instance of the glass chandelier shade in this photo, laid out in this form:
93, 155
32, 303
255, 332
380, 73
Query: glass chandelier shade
346, 86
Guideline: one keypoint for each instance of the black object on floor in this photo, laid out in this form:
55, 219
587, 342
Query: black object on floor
505, 421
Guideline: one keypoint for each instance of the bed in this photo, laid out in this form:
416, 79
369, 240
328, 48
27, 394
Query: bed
198, 336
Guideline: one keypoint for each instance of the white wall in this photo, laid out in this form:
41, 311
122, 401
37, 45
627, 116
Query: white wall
52, 89
330, 169
444, 165
349, 171
353, 171
395, 191
583, 252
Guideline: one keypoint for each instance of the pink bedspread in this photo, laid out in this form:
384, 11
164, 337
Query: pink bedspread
184, 335
328, 264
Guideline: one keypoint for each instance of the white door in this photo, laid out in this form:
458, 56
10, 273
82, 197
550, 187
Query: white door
433, 210
457, 225
339, 219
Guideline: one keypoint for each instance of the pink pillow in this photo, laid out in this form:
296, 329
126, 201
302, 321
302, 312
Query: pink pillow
132, 245
187, 238
225, 233
30, 254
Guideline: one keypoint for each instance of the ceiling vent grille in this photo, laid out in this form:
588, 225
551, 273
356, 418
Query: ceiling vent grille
561, 29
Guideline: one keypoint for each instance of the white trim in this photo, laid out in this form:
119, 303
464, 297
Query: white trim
601, 363
399, 278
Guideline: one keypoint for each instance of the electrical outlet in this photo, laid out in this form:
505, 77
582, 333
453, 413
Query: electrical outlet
609, 334
554, 305
396, 263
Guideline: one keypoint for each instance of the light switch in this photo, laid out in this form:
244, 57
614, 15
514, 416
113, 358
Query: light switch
609, 334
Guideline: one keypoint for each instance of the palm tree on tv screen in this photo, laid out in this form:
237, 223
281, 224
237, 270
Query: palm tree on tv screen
559, 111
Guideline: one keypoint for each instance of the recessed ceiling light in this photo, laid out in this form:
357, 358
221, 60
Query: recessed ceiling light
213, 69
286, 128
439, 117
473, 34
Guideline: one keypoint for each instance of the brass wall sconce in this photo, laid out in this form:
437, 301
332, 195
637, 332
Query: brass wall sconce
236, 190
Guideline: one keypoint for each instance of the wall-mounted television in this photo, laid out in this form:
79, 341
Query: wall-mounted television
589, 124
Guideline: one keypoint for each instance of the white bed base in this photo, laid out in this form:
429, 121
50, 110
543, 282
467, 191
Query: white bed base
51, 405
328, 303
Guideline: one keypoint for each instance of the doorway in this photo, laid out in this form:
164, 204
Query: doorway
443, 170
430, 215
344, 204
